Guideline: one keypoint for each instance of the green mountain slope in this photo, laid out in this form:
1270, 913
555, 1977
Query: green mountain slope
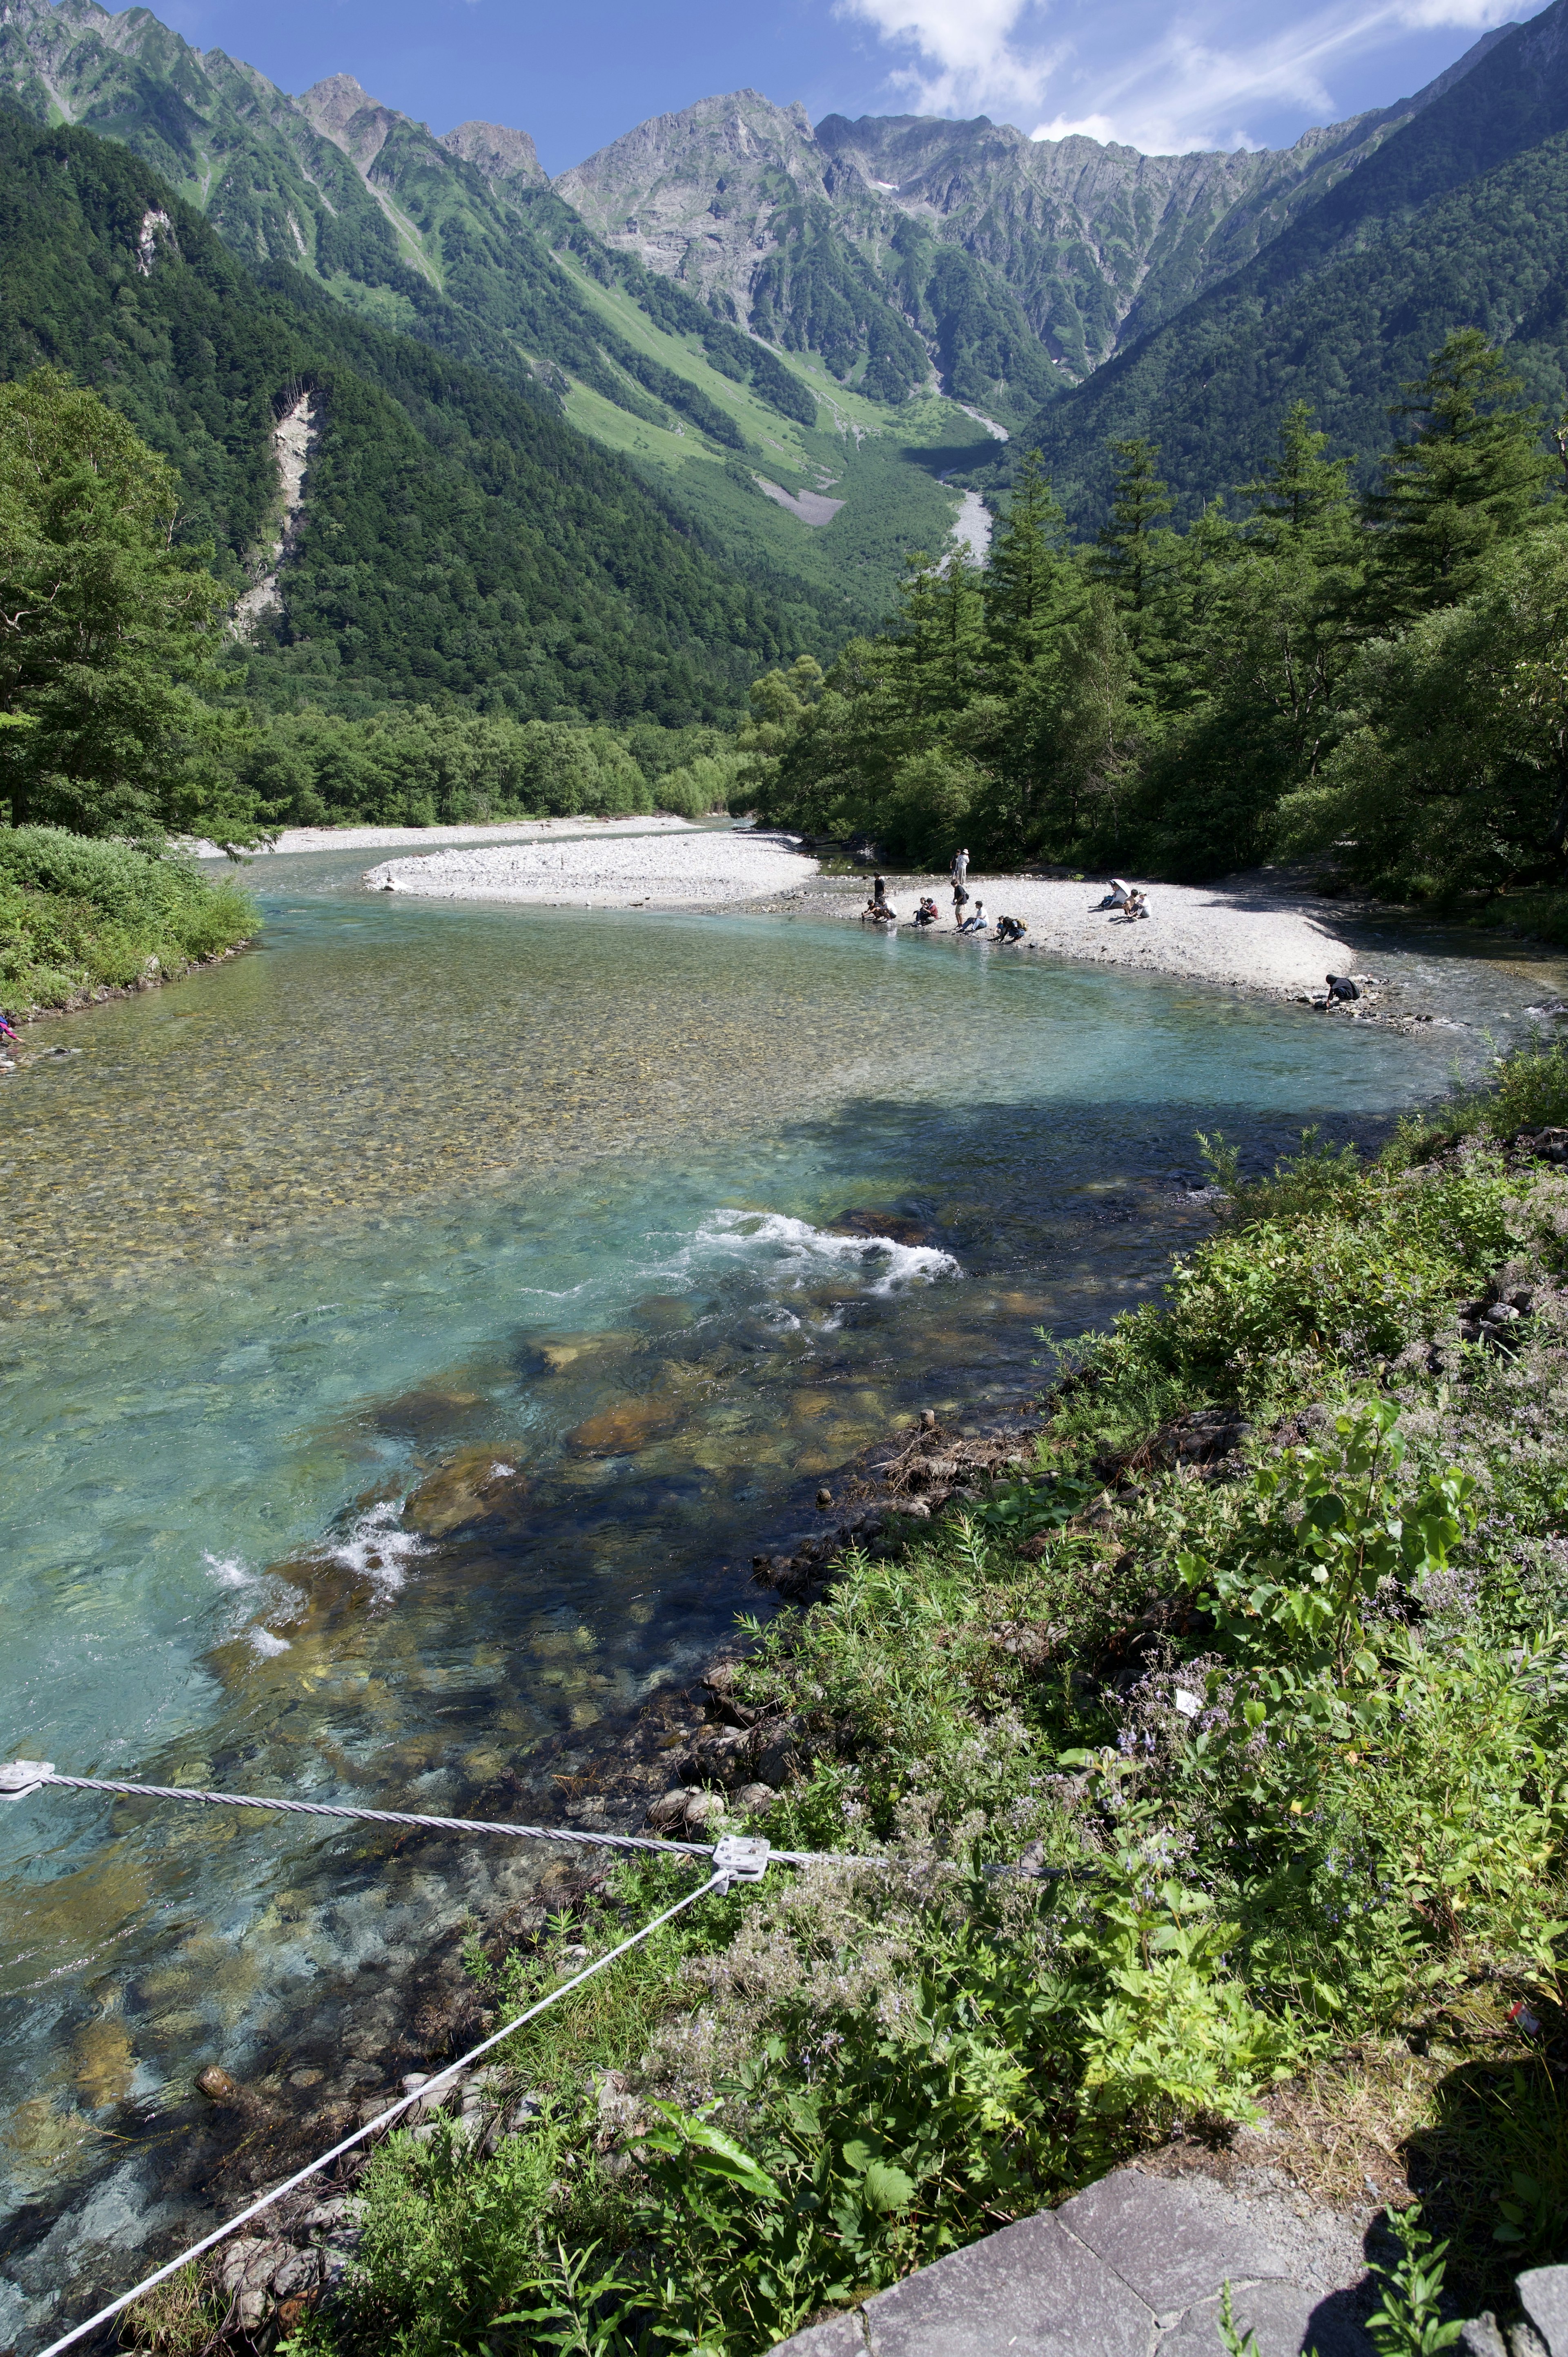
1099, 243
1460, 220
459, 537
460, 243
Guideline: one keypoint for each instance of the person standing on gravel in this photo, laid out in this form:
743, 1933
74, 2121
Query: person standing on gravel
960, 867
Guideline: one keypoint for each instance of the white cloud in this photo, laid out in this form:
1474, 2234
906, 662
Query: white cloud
966, 55
1134, 72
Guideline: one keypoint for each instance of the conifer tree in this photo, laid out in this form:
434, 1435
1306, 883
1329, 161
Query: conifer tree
1303, 500
940, 642
1131, 552
1469, 478
1033, 588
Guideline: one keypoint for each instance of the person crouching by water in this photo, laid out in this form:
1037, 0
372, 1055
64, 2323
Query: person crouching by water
1340, 988
1010, 929
927, 912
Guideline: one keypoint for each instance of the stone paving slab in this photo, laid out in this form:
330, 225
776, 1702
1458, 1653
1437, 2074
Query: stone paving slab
1033, 2289
1288, 2318
1168, 2244
1131, 2267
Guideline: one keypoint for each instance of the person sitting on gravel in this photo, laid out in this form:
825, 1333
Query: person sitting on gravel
1116, 898
927, 913
1340, 986
978, 922
1011, 929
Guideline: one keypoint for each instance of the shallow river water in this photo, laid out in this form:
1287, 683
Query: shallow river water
603, 1240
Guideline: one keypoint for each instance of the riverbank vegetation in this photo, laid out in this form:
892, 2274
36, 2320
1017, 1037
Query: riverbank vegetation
1213, 1768
1382, 679
414, 765
79, 916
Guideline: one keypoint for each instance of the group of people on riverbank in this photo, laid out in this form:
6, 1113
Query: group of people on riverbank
1126, 903
879, 910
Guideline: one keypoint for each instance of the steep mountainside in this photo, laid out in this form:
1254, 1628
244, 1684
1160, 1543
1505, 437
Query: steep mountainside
449, 240
1101, 243
983, 240
458, 535
461, 242
1460, 220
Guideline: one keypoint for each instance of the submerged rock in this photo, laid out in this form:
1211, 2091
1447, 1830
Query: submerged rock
476, 1482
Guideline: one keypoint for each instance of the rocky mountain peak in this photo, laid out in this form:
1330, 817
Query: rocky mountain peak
342, 110
505, 158
693, 193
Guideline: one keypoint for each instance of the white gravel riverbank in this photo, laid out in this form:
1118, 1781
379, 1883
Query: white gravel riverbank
394, 838
1246, 935
700, 867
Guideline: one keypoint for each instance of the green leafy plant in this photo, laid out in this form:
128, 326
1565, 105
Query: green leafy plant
1408, 2318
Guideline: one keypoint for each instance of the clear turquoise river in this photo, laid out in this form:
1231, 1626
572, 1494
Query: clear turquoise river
408, 1333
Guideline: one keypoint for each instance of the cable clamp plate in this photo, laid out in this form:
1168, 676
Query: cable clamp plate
742, 1856
20, 1777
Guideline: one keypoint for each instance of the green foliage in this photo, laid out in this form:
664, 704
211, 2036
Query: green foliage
1408, 2319
1319, 1802
414, 766
76, 915
106, 632
462, 541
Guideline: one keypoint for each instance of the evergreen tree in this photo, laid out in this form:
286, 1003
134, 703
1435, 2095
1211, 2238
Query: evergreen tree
105, 630
1305, 499
1032, 586
939, 647
1470, 477
1131, 552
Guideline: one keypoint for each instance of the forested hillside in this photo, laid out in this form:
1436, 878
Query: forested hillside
460, 537
1461, 219
461, 243
1380, 680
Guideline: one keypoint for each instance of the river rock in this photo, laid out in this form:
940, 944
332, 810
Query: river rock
252, 2274
217, 2086
476, 1482
622, 1430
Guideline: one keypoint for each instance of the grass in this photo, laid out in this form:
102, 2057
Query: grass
78, 916
1295, 1729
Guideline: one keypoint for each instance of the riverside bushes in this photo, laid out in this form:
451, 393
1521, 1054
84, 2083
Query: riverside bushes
77, 914
1192, 1795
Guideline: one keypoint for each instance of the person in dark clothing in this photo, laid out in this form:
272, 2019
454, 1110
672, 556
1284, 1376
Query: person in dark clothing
1341, 987
1011, 929
927, 913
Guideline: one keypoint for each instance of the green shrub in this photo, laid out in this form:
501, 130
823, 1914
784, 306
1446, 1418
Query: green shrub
77, 914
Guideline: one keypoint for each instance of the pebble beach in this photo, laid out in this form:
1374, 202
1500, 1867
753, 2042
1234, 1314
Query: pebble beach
1241, 936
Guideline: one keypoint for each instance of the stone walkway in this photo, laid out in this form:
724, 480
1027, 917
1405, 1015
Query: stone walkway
1130, 2267
1134, 2267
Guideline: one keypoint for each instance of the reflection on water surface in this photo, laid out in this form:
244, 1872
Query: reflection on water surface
410, 1331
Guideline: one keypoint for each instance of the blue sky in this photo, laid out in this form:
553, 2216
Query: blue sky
576, 73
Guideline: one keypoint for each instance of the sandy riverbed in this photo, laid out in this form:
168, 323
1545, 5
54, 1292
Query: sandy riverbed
395, 838
1245, 935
